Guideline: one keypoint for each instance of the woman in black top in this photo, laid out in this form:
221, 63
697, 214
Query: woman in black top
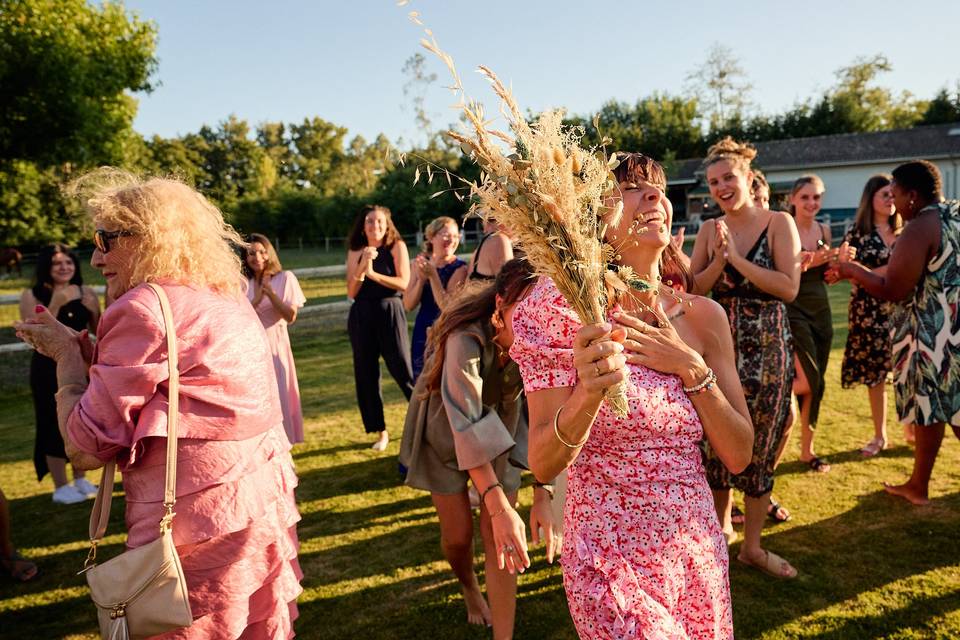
378, 270
59, 287
495, 250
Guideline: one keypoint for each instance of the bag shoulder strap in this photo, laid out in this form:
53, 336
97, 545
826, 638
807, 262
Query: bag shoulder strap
101, 506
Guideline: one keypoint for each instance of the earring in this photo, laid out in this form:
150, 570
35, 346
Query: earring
497, 320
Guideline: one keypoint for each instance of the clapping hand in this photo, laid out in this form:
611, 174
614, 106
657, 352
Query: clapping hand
50, 337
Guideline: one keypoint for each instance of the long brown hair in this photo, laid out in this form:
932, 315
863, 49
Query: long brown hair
636, 167
475, 301
272, 267
358, 239
863, 223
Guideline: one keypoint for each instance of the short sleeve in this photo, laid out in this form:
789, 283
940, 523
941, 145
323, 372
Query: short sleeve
479, 434
544, 327
130, 364
292, 293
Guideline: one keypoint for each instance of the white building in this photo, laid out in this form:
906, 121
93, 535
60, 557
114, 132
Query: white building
844, 163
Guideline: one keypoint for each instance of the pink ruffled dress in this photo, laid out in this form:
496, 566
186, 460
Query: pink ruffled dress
643, 554
286, 285
235, 527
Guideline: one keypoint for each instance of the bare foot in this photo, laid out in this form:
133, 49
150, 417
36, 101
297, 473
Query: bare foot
907, 492
477, 610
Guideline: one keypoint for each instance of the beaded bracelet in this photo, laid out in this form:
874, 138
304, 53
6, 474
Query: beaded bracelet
705, 385
556, 432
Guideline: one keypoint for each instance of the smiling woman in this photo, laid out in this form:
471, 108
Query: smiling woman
235, 526
749, 258
643, 553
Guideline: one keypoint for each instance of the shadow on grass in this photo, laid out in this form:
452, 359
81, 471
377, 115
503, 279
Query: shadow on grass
919, 614
55, 524
841, 458
377, 473
846, 545
326, 522
49, 620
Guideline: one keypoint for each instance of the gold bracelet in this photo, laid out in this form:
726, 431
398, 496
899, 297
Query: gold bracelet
556, 432
494, 515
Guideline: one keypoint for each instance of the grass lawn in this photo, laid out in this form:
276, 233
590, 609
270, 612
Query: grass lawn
871, 566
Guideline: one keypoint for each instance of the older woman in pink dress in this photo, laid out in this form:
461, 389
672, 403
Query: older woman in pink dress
235, 528
643, 555
277, 296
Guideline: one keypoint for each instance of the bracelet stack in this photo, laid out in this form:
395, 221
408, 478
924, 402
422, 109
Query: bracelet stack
704, 385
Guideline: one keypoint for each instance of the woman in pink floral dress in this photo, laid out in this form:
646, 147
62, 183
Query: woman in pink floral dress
643, 556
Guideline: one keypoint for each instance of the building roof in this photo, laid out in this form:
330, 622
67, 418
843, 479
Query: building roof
930, 142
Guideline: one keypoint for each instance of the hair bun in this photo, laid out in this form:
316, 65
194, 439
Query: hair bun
730, 148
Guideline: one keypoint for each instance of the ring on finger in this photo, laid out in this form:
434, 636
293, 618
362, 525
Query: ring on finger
596, 365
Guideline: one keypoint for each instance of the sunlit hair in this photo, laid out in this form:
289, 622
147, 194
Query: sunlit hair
179, 235
863, 222
474, 301
759, 182
43, 280
436, 226
272, 265
635, 168
358, 239
739, 154
921, 176
799, 184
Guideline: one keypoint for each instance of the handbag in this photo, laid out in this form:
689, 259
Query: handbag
142, 592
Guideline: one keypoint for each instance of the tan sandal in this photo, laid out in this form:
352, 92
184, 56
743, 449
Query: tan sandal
873, 447
773, 565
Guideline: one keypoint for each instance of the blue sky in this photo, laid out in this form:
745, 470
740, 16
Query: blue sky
290, 59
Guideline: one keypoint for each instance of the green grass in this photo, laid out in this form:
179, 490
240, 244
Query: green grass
871, 566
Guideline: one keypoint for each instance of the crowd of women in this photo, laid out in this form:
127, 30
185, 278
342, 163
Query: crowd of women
503, 377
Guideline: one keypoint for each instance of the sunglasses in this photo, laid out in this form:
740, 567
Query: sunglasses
101, 239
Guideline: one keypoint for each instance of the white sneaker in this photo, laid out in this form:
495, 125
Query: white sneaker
68, 494
85, 487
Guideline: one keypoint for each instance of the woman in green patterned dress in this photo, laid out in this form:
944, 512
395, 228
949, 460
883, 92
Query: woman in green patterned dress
924, 276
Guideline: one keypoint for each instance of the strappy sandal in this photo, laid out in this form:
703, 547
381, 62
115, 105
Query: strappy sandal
19, 568
772, 565
817, 464
777, 513
873, 447
737, 516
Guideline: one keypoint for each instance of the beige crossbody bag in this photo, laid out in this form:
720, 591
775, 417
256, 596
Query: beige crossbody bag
142, 592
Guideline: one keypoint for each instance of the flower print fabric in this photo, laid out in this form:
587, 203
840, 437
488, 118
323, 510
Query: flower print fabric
643, 554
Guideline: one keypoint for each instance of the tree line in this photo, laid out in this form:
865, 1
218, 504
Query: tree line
68, 69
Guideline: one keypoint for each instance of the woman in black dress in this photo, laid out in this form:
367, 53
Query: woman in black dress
866, 359
59, 287
378, 271
749, 259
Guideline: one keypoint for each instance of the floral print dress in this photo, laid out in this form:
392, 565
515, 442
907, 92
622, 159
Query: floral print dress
763, 346
643, 555
926, 334
866, 358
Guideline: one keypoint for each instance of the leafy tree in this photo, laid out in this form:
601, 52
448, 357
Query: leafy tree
944, 108
233, 165
65, 69
317, 150
720, 86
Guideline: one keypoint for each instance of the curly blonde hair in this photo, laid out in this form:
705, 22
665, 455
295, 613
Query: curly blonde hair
181, 236
739, 154
436, 226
